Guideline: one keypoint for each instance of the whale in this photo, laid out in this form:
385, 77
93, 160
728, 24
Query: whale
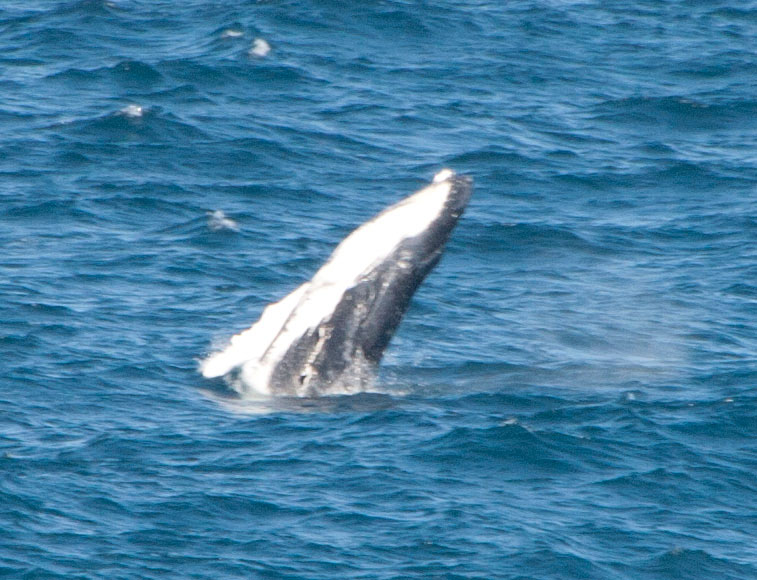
329, 334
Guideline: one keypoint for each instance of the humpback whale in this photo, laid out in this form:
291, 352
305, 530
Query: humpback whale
329, 334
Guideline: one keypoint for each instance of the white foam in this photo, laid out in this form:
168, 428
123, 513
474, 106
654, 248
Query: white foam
232, 33
133, 111
218, 220
260, 48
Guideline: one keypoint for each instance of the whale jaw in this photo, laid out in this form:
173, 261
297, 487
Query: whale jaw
330, 333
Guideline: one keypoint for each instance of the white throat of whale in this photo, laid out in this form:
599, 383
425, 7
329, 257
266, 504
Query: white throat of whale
329, 333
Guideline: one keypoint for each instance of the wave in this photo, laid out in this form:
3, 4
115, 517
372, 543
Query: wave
527, 239
511, 447
696, 563
126, 74
132, 124
679, 113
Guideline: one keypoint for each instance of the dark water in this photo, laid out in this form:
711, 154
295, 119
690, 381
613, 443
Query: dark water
573, 392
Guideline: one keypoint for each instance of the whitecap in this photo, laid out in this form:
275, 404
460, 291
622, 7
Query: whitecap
260, 48
232, 33
217, 220
133, 111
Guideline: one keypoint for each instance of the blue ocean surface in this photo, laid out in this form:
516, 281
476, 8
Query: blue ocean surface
573, 391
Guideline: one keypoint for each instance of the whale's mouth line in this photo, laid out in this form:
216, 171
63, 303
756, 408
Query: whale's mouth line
328, 335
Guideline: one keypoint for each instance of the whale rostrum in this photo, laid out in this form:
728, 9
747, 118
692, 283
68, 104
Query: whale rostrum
329, 334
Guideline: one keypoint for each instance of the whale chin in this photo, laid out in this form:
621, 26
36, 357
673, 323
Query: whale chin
328, 335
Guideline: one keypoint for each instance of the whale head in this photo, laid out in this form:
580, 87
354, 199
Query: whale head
330, 333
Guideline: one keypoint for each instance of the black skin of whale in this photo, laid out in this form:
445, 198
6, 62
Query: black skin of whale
361, 326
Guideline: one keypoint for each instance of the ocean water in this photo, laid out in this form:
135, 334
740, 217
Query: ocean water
573, 392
